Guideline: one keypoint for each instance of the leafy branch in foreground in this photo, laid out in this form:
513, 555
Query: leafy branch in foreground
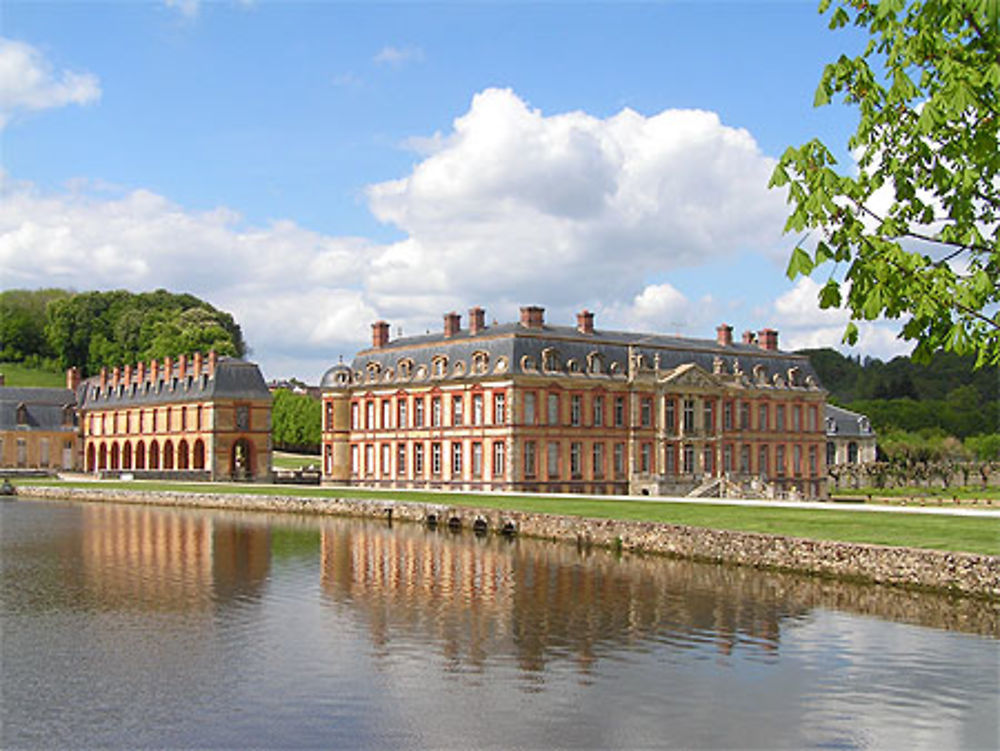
916, 232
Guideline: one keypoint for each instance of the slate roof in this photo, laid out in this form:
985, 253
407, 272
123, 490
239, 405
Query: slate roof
44, 408
843, 423
513, 341
233, 379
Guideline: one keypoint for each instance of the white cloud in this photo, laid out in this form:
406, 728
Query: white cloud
188, 8
398, 56
28, 83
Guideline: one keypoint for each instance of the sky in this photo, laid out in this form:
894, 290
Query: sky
312, 167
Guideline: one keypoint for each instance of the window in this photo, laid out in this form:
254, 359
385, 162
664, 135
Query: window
779, 461
418, 459
386, 414
646, 411
499, 408
762, 461
114, 421
645, 457
670, 460
370, 414
708, 459
688, 459
456, 459
811, 419
499, 455
619, 459
355, 417
553, 409
355, 460
435, 458
477, 410
598, 460
708, 415
598, 410
762, 417
852, 453
128, 420
831, 453
744, 415
386, 470
400, 459
552, 461
529, 407
370, 459
329, 416
812, 460
575, 409
435, 411
670, 414
619, 411
477, 459
797, 459
727, 416
689, 415
796, 418
457, 410
418, 412
745, 459
529, 458
401, 421
727, 458
155, 414
575, 459
779, 418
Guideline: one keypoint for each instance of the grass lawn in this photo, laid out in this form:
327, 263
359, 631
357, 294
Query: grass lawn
16, 374
956, 533
286, 460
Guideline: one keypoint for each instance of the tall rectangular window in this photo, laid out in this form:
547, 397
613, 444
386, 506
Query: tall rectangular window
499, 459
779, 418
329, 416
370, 459
619, 460
708, 460
688, 459
477, 409
669, 459
670, 415
727, 416
598, 410
575, 409
418, 412
779, 461
477, 459
418, 459
401, 421
529, 459
553, 409
386, 414
400, 459
727, 458
619, 411
355, 460
552, 461
499, 408
797, 459
645, 457
370, 415
457, 410
529, 407
435, 458
745, 459
762, 461
456, 459
689, 415
436, 411
762, 417
812, 461
575, 459
708, 416
811, 419
796, 418
386, 470
355, 417
646, 411
744, 415
598, 456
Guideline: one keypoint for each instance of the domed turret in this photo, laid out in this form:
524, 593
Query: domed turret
337, 377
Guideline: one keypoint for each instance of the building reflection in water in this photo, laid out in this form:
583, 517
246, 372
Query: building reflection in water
172, 560
476, 597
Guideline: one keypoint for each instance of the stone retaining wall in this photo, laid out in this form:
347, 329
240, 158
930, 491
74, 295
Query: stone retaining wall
964, 573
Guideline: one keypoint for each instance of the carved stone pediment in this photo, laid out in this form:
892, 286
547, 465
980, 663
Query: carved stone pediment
691, 376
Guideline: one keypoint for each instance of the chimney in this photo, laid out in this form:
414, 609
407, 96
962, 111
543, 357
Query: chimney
168, 368
213, 360
72, 378
768, 339
197, 365
532, 317
380, 334
724, 335
452, 324
116, 376
127, 377
154, 371
140, 372
749, 337
585, 322
182, 364
104, 378
477, 320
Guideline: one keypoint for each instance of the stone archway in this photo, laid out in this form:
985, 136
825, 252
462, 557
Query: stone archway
198, 455
127, 456
168, 455
102, 456
241, 460
115, 456
91, 458
154, 455
182, 454
140, 455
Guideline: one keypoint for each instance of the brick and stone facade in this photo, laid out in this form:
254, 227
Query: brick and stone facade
38, 428
190, 417
530, 406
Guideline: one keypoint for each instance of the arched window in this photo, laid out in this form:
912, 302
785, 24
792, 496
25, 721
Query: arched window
140, 455
168, 455
852, 452
182, 454
154, 455
198, 455
831, 453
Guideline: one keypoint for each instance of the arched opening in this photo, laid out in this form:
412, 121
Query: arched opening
127, 456
154, 455
182, 454
140, 455
91, 458
198, 458
115, 456
241, 460
168, 455
852, 452
102, 456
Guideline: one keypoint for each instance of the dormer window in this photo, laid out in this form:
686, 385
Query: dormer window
595, 364
439, 366
831, 425
863, 425
480, 362
550, 359
405, 368
22, 414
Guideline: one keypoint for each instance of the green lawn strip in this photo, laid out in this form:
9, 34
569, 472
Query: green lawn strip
964, 493
957, 533
284, 460
16, 374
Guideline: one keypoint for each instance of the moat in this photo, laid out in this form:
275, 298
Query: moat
137, 626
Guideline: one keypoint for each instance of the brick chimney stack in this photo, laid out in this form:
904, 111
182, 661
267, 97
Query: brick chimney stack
154, 371
749, 337
768, 339
140, 372
724, 335
213, 360
380, 334
127, 377
452, 324
585, 322
182, 365
477, 320
197, 365
168, 368
532, 317
116, 375
72, 378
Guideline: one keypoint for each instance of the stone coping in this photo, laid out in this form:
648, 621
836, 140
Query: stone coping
961, 573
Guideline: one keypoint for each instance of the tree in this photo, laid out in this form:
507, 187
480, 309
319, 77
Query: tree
296, 422
916, 232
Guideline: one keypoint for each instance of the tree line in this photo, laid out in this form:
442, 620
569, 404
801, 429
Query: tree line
57, 328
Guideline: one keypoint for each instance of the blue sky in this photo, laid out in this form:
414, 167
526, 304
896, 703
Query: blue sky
314, 166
